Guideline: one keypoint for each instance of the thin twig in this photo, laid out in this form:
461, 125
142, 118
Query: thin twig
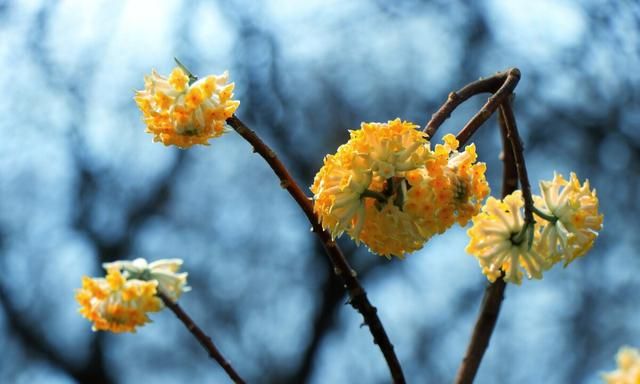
482, 331
514, 170
202, 337
505, 90
510, 170
357, 295
494, 293
513, 136
490, 84
483, 85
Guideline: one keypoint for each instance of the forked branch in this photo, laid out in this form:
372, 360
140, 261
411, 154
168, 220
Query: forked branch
501, 85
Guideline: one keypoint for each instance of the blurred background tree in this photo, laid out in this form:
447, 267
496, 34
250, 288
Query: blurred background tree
81, 184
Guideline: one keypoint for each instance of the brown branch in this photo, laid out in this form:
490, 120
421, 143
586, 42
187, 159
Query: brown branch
482, 331
511, 131
510, 171
494, 293
325, 320
357, 294
514, 170
484, 85
202, 337
501, 85
505, 90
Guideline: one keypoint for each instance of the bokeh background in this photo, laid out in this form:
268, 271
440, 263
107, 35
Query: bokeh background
82, 184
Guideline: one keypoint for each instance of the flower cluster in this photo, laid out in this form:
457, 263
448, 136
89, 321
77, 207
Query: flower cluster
164, 271
116, 304
574, 208
566, 226
179, 112
386, 188
495, 241
121, 301
458, 183
628, 371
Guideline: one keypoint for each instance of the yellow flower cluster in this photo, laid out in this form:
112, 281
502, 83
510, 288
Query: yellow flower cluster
575, 208
386, 188
493, 240
164, 271
120, 301
183, 114
567, 224
116, 304
628, 371
458, 183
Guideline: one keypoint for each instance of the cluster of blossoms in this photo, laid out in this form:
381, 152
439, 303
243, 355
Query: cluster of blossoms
181, 111
566, 226
388, 189
628, 371
121, 301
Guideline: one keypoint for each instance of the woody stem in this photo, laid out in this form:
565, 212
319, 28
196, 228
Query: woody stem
379, 196
202, 337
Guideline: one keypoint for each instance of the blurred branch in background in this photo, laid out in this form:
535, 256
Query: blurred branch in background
33, 338
90, 178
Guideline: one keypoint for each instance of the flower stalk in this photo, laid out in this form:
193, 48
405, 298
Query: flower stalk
550, 218
192, 78
204, 340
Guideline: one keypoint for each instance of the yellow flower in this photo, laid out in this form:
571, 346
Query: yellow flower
497, 241
464, 180
628, 371
164, 271
183, 114
363, 188
390, 148
338, 187
449, 189
390, 231
387, 189
575, 219
116, 304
